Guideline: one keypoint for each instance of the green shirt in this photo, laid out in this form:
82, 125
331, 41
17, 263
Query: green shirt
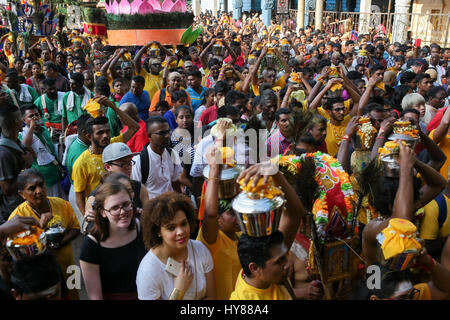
14, 96
49, 171
75, 150
114, 122
77, 110
52, 108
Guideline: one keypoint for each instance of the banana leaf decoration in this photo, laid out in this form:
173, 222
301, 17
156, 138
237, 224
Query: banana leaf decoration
189, 36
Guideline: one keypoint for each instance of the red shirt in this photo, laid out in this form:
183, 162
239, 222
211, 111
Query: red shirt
140, 139
436, 120
208, 115
239, 61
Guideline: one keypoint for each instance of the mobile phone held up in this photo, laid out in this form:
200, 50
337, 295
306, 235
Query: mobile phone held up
173, 267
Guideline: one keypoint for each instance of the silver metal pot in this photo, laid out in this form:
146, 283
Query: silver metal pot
258, 218
410, 141
54, 236
19, 252
228, 187
271, 61
218, 50
390, 166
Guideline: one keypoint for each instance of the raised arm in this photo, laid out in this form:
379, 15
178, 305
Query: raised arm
323, 77
434, 183
204, 53
317, 102
132, 125
112, 67
373, 81
437, 156
232, 53
442, 128
107, 64
343, 155
137, 58
254, 72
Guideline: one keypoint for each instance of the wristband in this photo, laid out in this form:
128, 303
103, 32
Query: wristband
346, 137
380, 137
176, 294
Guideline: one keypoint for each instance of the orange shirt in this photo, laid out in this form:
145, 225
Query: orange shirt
167, 98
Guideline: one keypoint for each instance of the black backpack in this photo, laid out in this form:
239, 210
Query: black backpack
145, 160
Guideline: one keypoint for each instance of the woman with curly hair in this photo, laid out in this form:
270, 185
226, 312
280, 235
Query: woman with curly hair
111, 252
167, 223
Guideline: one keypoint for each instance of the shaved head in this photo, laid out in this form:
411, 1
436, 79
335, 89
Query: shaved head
130, 109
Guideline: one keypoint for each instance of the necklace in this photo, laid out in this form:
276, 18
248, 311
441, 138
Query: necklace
37, 213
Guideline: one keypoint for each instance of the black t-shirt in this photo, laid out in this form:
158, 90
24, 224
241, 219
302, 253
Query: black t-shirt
118, 266
10, 167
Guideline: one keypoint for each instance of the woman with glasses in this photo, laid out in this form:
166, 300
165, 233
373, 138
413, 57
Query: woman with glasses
113, 249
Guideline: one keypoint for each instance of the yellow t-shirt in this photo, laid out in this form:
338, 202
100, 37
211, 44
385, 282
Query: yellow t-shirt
334, 136
424, 289
444, 144
279, 83
226, 263
244, 291
152, 83
61, 208
429, 226
88, 169
326, 115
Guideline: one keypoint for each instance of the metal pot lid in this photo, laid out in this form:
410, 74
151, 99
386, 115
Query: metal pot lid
55, 230
243, 204
398, 136
226, 173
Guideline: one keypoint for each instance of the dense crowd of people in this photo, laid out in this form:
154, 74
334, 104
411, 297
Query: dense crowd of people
113, 142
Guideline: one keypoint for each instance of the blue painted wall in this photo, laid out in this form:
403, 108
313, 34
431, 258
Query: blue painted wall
330, 5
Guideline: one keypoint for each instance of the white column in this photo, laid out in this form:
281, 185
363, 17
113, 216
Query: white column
319, 15
214, 7
364, 19
196, 7
300, 14
401, 20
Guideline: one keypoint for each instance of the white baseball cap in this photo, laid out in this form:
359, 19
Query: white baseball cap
117, 150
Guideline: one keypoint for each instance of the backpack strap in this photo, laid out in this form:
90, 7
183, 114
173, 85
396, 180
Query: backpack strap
145, 163
162, 95
442, 204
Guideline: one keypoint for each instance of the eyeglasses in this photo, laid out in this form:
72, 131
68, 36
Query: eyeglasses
162, 133
125, 165
115, 211
412, 295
